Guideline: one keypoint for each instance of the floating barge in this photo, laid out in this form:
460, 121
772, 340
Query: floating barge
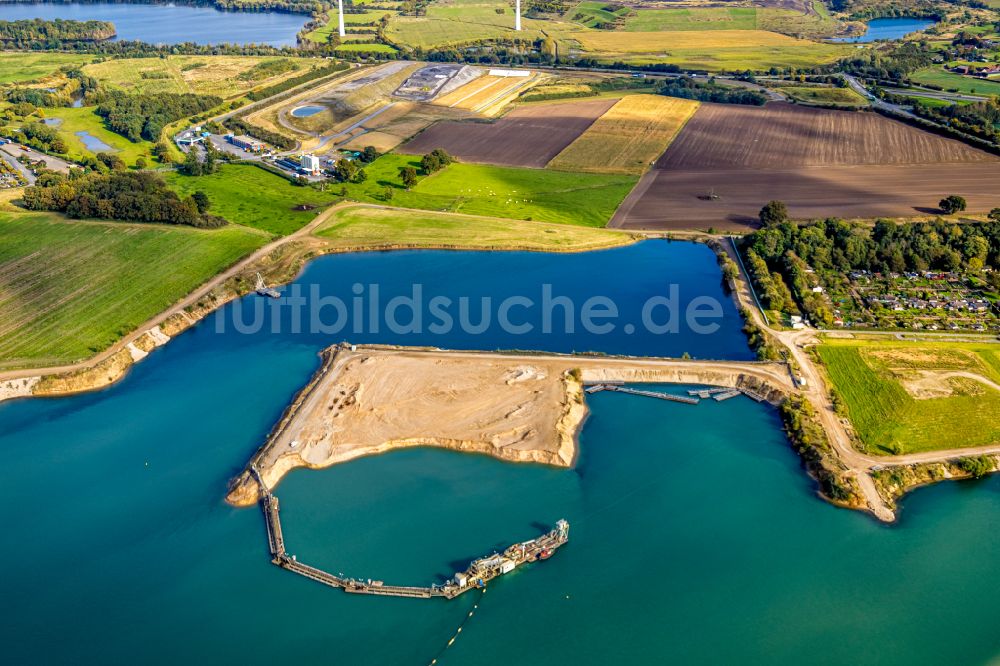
476, 576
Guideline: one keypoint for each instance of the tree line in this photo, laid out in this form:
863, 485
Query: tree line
783, 254
144, 116
140, 196
709, 91
23, 33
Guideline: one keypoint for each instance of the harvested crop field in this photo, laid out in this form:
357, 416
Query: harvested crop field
680, 199
729, 161
730, 136
629, 136
527, 137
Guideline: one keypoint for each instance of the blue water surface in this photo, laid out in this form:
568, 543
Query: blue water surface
168, 23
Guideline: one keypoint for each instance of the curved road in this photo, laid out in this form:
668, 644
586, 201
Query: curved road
817, 392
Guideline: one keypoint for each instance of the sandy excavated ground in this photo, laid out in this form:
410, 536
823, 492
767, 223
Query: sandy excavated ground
369, 403
517, 408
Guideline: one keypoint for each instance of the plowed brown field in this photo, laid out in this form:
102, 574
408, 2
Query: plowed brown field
782, 136
731, 160
526, 137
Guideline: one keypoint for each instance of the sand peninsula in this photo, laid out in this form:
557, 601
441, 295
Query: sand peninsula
515, 407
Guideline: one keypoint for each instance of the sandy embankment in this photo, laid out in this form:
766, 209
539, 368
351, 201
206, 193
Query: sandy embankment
520, 408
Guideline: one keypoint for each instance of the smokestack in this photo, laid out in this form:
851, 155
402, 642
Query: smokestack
340, 10
517, 15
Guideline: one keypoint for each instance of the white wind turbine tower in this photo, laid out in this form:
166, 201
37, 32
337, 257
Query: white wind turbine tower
340, 11
517, 15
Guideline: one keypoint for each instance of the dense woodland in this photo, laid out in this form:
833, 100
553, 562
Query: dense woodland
138, 117
117, 195
885, 247
784, 254
980, 119
892, 63
709, 91
40, 137
22, 34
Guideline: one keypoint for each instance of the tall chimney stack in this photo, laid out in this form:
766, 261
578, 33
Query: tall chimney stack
340, 11
517, 15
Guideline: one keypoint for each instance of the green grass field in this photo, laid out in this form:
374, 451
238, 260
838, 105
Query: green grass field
593, 12
458, 21
524, 194
818, 95
949, 81
322, 34
933, 102
19, 67
83, 119
366, 48
877, 381
69, 289
705, 18
247, 195
362, 227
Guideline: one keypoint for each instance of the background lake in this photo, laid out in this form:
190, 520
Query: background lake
171, 24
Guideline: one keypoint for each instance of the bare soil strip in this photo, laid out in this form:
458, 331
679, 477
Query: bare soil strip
527, 137
684, 199
783, 136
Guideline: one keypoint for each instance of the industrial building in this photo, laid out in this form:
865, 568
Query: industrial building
247, 143
309, 164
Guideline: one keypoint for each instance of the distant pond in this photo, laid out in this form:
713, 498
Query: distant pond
94, 144
306, 111
169, 23
889, 28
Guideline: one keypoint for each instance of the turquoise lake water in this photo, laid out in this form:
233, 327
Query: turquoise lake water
695, 536
889, 28
170, 24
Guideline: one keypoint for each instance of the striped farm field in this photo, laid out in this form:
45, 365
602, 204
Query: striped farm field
488, 94
71, 288
629, 136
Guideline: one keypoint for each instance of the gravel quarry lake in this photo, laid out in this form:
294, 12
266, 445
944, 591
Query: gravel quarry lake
696, 537
169, 23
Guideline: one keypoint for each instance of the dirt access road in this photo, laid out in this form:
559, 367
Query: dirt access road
818, 393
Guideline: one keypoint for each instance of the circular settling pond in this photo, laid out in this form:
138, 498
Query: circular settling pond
306, 111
